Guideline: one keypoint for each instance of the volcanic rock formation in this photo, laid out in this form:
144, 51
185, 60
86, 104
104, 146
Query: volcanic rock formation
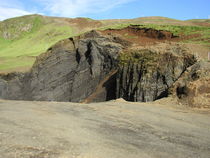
99, 67
68, 71
147, 76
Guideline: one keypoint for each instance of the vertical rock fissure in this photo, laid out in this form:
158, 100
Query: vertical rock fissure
78, 57
88, 56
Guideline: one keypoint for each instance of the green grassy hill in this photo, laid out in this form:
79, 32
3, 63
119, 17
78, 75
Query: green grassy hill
24, 38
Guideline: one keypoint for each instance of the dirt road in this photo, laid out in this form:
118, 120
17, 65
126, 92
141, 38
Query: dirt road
101, 130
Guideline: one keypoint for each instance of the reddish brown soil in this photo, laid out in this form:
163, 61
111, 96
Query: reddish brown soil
100, 88
82, 23
146, 36
202, 24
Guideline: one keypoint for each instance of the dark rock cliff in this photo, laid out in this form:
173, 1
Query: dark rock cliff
147, 76
95, 67
69, 71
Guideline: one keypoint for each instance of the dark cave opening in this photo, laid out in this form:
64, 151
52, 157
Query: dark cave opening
111, 87
181, 92
164, 94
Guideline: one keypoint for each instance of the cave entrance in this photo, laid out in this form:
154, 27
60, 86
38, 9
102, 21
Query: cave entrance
181, 92
111, 87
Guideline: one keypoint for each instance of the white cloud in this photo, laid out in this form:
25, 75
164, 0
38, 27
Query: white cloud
6, 13
73, 8
66, 8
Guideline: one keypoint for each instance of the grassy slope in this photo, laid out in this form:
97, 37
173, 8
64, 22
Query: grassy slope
199, 20
20, 50
23, 38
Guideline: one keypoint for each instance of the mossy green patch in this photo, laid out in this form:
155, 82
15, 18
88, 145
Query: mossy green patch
145, 58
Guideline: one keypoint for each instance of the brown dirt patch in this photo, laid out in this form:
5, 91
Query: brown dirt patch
202, 24
140, 36
198, 50
99, 88
146, 36
83, 23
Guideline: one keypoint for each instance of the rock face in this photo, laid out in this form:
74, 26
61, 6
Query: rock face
94, 67
147, 76
69, 71
11, 86
193, 87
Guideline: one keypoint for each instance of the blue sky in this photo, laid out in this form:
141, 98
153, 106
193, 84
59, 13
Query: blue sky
107, 9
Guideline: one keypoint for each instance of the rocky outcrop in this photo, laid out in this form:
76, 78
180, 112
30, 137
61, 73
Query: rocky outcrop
193, 87
147, 76
68, 71
95, 67
11, 86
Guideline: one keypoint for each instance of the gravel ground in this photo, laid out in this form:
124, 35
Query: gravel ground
112, 129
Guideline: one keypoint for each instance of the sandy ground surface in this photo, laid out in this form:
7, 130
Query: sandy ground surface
102, 130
